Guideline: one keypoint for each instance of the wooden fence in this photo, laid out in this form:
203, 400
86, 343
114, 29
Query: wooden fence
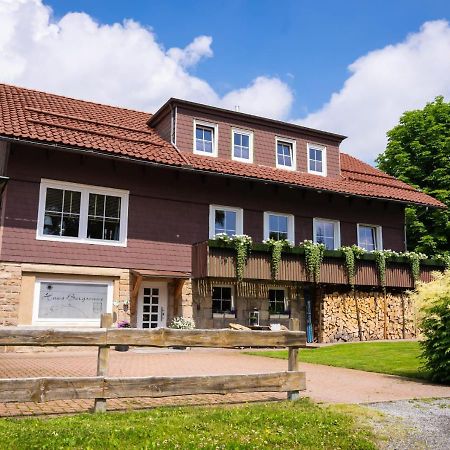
103, 387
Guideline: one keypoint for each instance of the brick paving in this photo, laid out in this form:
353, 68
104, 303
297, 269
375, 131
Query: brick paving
325, 384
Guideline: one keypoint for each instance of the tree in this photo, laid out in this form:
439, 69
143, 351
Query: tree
418, 153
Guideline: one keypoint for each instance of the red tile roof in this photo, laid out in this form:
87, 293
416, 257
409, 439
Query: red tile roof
48, 118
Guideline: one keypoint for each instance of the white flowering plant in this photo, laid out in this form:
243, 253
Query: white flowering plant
182, 323
242, 243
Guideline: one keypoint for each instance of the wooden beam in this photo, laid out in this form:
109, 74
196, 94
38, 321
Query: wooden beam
136, 287
49, 388
224, 338
217, 384
294, 325
103, 362
52, 337
158, 337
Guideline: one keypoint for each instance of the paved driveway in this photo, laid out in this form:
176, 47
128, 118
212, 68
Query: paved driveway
326, 384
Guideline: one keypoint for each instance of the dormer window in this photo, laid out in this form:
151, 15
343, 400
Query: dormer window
317, 160
205, 138
285, 153
242, 145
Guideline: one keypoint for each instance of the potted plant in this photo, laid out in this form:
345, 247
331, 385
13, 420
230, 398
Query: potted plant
122, 347
182, 323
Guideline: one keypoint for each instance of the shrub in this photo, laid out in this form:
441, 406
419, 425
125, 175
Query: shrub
434, 302
182, 323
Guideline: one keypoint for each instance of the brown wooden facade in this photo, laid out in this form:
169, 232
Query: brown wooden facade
217, 262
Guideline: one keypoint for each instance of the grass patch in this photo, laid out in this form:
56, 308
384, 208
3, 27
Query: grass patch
300, 424
395, 358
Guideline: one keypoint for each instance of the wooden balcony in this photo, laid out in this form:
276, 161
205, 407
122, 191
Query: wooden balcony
216, 260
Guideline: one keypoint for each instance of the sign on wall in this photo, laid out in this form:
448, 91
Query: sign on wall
72, 300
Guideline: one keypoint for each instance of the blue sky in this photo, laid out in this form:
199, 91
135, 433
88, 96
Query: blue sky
351, 67
307, 44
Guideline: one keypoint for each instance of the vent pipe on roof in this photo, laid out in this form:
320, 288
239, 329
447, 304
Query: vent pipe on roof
236, 108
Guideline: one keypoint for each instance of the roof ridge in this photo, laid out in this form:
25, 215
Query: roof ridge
99, 133
83, 119
73, 98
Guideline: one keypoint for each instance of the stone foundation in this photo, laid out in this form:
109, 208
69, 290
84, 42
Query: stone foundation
366, 316
10, 285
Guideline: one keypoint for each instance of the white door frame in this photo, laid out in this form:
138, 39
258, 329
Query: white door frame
163, 301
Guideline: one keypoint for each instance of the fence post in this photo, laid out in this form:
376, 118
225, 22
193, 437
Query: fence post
102, 361
294, 325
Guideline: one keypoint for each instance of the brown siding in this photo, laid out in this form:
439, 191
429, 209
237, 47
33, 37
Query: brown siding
220, 263
264, 140
164, 127
168, 211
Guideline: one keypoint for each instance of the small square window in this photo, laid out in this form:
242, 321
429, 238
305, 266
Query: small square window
317, 159
242, 145
369, 237
205, 138
225, 220
285, 154
277, 302
327, 232
222, 300
278, 226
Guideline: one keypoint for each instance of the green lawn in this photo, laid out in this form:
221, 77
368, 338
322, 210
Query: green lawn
395, 358
300, 424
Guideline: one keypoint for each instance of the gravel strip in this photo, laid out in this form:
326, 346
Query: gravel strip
415, 424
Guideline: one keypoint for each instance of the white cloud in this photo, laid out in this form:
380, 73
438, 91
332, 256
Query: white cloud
385, 83
120, 64
268, 97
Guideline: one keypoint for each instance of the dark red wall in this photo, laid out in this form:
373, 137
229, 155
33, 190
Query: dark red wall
263, 139
168, 211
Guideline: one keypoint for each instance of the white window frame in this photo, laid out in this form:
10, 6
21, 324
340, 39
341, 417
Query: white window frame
286, 301
233, 305
85, 190
324, 158
250, 143
69, 322
379, 234
212, 218
337, 230
215, 143
291, 224
293, 143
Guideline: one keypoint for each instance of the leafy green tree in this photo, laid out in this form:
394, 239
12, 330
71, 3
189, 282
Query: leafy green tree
418, 153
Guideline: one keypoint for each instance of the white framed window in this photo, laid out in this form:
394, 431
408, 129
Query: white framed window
327, 232
285, 153
71, 212
71, 303
317, 159
278, 226
225, 219
206, 138
370, 237
242, 145
278, 304
223, 301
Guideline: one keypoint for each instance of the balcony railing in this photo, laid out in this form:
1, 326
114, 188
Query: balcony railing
217, 260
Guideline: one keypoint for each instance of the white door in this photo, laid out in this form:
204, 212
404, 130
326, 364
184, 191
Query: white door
152, 305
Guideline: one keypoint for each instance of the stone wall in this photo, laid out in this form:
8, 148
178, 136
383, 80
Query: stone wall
345, 316
248, 296
10, 284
